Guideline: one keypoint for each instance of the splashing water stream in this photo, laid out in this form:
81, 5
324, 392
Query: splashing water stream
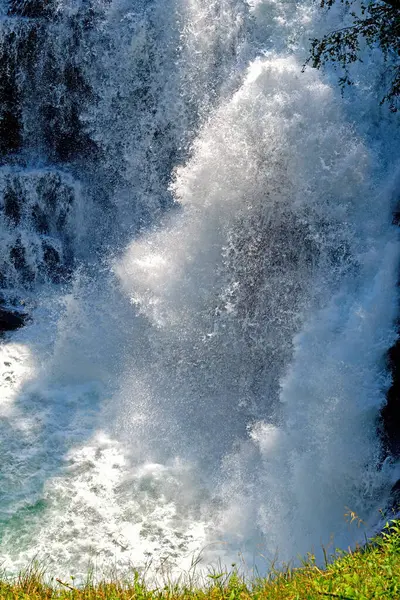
203, 237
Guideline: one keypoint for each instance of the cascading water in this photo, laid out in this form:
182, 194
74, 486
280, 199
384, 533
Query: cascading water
202, 236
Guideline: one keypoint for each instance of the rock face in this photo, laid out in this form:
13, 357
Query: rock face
11, 319
390, 413
36, 210
43, 142
389, 418
30, 8
43, 92
389, 422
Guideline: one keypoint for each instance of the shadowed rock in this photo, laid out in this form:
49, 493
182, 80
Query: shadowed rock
30, 8
11, 319
390, 413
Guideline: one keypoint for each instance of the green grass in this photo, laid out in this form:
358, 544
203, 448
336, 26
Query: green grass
372, 571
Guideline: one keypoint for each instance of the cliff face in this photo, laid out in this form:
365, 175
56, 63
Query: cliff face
389, 419
42, 96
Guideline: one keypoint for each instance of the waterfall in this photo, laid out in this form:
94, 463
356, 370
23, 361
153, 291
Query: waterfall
200, 236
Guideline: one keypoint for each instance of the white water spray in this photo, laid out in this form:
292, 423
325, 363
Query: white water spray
214, 368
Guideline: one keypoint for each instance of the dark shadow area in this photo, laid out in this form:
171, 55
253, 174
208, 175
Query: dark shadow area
11, 319
390, 413
30, 8
389, 416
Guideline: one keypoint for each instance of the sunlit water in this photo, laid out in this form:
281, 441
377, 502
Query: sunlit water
208, 379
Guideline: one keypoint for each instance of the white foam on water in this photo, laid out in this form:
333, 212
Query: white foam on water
213, 384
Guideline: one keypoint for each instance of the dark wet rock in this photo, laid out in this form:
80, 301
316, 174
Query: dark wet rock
64, 136
11, 319
27, 47
37, 208
39, 220
30, 8
53, 262
389, 423
10, 109
18, 54
390, 413
395, 497
12, 204
18, 258
389, 418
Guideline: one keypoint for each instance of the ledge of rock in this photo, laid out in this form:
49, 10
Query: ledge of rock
11, 319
